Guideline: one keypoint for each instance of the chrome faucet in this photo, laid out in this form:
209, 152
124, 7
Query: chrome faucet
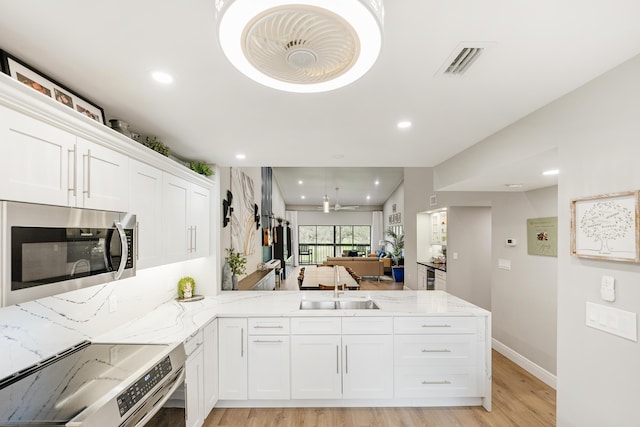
336, 280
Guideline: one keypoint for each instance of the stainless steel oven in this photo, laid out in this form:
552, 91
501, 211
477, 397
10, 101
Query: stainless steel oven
93, 385
48, 250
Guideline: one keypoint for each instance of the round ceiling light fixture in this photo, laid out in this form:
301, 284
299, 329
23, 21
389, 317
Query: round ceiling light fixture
306, 46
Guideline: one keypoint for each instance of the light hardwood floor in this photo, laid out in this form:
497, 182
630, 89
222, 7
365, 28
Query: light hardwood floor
519, 400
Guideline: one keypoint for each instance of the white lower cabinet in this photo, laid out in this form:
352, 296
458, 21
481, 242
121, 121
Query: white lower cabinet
441, 280
316, 371
368, 358
422, 277
269, 359
358, 364
232, 358
194, 381
210, 332
437, 357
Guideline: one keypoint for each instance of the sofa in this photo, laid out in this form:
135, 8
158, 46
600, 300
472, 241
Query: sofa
362, 266
385, 261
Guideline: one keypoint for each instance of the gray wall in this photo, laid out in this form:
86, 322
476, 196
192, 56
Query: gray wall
596, 132
469, 236
524, 301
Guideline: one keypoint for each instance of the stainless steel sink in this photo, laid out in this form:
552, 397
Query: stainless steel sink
338, 305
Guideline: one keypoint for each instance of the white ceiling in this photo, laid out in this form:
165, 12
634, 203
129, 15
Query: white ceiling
536, 51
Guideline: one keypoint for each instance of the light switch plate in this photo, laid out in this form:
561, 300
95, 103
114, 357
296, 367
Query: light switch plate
504, 264
607, 288
612, 320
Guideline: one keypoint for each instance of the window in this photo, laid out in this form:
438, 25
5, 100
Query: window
332, 240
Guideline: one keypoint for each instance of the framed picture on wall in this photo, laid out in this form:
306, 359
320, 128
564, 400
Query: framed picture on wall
542, 236
606, 227
38, 81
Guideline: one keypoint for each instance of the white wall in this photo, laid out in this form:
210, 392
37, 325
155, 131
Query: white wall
333, 218
523, 300
469, 237
595, 130
396, 198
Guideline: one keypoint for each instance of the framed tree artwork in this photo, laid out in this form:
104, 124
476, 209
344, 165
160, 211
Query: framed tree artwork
606, 227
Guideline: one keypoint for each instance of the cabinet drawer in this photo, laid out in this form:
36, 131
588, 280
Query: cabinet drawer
316, 325
417, 381
435, 350
268, 326
435, 325
194, 341
367, 325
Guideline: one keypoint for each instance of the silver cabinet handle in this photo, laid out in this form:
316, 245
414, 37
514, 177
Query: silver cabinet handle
88, 173
268, 341
268, 327
338, 360
436, 382
241, 342
346, 359
444, 350
124, 254
195, 239
75, 170
436, 326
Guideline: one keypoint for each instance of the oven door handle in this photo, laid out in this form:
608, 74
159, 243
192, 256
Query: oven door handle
124, 252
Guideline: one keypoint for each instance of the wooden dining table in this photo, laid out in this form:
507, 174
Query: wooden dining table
314, 276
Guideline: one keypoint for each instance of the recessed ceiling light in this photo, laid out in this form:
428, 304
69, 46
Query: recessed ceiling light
377, 182
162, 77
300, 182
302, 197
303, 46
368, 197
514, 185
240, 156
404, 124
551, 172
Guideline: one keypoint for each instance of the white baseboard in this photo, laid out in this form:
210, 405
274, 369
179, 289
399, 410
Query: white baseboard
537, 371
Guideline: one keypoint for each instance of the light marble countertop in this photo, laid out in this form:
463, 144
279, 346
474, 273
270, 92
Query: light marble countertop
33, 331
175, 321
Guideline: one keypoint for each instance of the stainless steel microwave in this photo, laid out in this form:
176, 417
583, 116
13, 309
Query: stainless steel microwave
47, 250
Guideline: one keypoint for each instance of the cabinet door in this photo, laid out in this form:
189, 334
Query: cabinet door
365, 376
199, 222
37, 160
422, 277
145, 201
210, 366
232, 362
175, 199
194, 389
269, 367
316, 367
441, 281
103, 177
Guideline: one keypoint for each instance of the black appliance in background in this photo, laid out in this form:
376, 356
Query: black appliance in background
282, 248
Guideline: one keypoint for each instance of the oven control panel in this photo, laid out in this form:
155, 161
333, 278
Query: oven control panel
144, 385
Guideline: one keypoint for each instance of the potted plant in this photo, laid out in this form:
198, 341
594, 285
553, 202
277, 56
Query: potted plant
186, 287
397, 248
201, 167
237, 264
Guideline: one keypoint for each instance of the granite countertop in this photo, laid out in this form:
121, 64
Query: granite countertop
442, 267
175, 321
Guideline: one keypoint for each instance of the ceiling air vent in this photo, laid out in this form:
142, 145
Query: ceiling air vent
463, 60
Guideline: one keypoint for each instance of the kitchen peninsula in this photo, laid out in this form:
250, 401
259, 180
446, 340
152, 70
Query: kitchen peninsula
418, 349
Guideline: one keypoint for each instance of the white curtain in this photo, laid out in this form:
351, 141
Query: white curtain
377, 229
292, 217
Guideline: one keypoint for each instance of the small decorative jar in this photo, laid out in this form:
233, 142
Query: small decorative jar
120, 126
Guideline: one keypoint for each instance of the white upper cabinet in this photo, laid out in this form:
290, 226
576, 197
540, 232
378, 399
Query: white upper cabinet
42, 163
145, 201
37, 160
185, 209
102, 178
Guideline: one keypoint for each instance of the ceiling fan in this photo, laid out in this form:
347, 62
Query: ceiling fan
337, 207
